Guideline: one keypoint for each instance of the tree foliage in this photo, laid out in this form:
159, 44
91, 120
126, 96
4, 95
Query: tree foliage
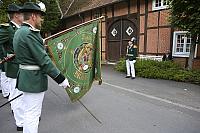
185, 14
51, 18
3, 7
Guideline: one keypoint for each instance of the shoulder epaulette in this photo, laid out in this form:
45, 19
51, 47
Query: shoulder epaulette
35, 30
135, 46
5, 24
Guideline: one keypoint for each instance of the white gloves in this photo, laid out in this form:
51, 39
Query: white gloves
65, 83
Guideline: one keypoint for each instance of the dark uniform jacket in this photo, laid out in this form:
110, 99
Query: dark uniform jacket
29, 50
2, 55
7, 32
131, 53
3, 39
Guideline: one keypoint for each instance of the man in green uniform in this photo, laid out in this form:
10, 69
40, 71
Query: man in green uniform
3, 89
6, 35
131, 58
5, 94
35, 65
3, 40
4, 80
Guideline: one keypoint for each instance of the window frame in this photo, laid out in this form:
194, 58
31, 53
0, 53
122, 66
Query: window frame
154, 8
179, 54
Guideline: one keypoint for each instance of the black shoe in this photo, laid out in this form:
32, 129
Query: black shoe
7, 97
19, 128
127, 76
132, 77
0, 91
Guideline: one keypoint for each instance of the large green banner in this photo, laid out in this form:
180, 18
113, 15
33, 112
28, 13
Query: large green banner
76, 53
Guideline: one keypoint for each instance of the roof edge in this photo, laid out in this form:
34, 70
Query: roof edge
65, 17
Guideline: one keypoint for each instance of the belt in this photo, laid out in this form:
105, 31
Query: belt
129, 54
29, 67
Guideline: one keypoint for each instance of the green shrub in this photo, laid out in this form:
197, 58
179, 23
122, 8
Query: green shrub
161, 70
121, 65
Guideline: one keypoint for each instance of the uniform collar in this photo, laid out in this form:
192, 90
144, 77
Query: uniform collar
15, 24
31, 26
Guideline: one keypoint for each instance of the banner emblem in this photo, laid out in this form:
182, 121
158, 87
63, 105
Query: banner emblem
83, 57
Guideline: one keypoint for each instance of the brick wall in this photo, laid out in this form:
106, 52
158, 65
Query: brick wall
142, 6
198, 51
152, 40
120, 9
180, 61
152, 19
164, 18
196, 64
133, 6
164, 41
142, 23
141, 45
183, 62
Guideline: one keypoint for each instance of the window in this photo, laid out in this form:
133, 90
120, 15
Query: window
160, 4
181, 44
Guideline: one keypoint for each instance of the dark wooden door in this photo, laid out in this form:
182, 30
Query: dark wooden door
119, 32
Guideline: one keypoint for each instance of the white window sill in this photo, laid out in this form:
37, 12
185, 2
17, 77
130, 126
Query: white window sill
180, 55
159, 8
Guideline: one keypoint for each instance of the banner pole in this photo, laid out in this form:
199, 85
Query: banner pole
100, 46
90, 112
73, 27
5, 59
11, 100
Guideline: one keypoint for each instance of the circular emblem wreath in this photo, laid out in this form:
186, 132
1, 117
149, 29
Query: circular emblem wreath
83, 57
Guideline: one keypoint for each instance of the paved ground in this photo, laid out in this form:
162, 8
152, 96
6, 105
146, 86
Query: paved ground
122, 105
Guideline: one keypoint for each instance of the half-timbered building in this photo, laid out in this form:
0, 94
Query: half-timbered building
147, 20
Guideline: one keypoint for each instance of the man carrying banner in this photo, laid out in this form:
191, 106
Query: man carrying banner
6, 34
34, 66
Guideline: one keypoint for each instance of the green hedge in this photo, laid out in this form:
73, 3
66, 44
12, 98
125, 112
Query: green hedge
161, 70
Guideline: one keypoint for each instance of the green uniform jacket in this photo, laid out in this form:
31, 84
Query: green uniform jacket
7, 32
1, 57
29, 50
3, 39
131, 53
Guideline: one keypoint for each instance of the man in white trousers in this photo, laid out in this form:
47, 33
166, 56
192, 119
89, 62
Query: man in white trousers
4, 83
34, 65
0, 81
131, 58
12, 67
5, 86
